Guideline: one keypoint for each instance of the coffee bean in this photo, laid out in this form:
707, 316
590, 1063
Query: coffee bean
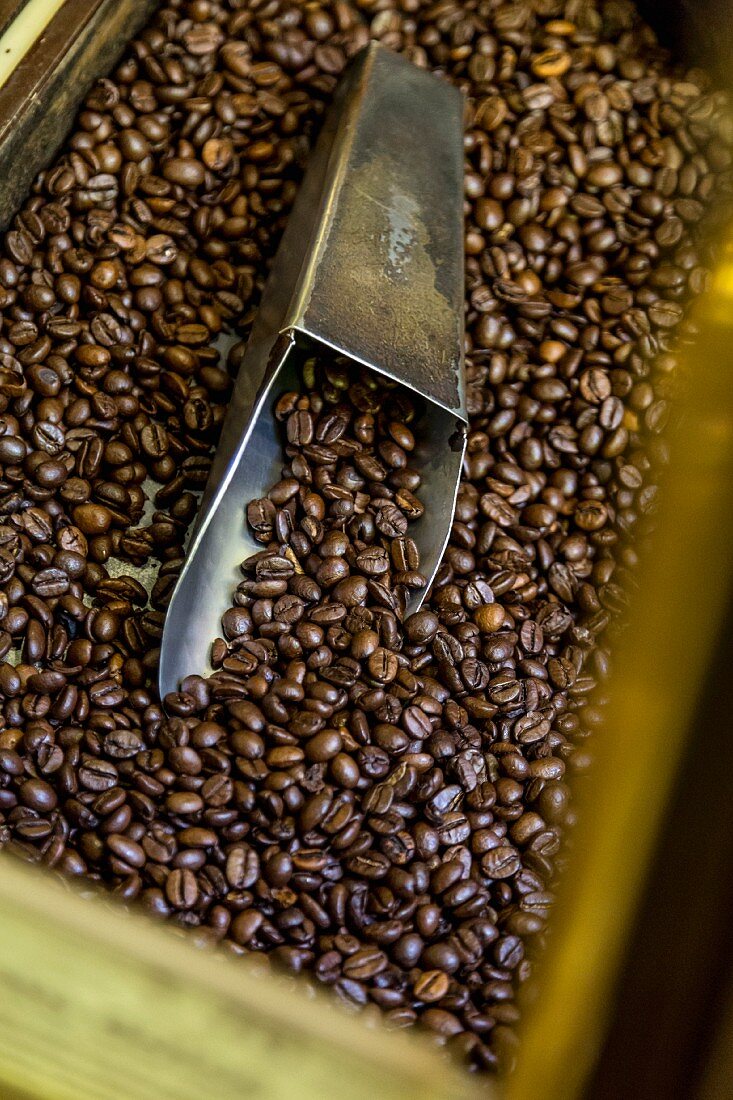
242, 868
92, 519
382, 665
181, 889
154, 440
126, 850
432, 985
489, 618
391, 521
345, 767
50, 582
185, 172
421, 627
501, 862
261, 517
300, 428
38, 795
365, 964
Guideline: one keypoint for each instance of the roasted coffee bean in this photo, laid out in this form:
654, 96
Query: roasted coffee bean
346, 767
181, 888
38, 795
432, 985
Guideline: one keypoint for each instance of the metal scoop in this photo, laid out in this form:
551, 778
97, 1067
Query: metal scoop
371, 265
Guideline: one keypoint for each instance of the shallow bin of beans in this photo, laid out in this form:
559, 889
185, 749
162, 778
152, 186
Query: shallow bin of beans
376, 800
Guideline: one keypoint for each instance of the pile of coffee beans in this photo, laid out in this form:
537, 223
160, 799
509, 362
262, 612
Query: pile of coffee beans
375, 799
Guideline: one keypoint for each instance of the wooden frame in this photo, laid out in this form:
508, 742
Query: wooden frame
39, 99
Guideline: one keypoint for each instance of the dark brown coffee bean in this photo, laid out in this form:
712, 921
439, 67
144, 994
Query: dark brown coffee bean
97, 775
501, 863
347, 767
38, 795
181, 889
422, 627
391, 522
126, 850
432, 985
382, 665
92, 519
187, 173
365, 964
405, 554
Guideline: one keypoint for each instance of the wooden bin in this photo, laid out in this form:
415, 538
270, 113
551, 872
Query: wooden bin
99, 1003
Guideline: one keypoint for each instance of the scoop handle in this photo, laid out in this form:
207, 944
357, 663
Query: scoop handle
383, 274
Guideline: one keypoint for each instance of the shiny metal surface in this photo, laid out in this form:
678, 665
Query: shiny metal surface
370, 264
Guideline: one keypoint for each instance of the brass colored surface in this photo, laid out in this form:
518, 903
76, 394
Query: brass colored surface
658, 666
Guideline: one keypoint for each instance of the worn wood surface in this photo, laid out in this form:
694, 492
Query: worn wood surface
39, 101
8, 11
99, 1004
